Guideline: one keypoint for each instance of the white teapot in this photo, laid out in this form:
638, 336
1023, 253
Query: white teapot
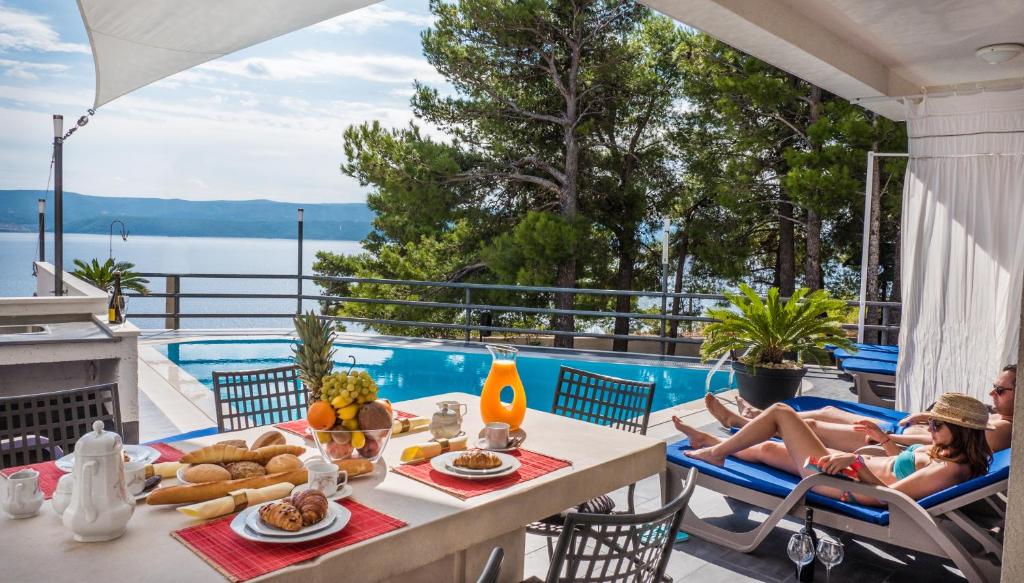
100, 505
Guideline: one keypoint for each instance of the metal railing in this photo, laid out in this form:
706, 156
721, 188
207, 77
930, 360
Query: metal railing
691, 306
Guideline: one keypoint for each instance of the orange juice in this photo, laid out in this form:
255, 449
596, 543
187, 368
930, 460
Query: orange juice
503, 374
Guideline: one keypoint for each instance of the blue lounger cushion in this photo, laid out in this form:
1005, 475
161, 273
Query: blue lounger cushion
842, 355
188, 435
869, 366
874, 347
888, 419
775, 482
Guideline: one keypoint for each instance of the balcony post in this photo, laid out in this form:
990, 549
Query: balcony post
172, 306
42, 230
298, 305
468, 301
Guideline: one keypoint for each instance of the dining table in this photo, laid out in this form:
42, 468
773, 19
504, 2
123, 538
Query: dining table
444, 538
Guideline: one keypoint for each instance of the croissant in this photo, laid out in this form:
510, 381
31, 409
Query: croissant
264, 454
282, 515
219, 454
312, 505
477, 460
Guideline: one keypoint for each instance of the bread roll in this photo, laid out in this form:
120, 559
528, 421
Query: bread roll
205, 473
239, 443
192, 493
283, 463
273, 437
245, 470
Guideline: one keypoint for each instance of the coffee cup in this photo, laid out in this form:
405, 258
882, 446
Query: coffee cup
22, 497
135, 477
495, 435
325, 476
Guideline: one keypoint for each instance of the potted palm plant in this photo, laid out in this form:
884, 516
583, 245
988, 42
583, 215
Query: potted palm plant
769, 339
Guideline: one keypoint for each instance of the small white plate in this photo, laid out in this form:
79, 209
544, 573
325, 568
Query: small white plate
342, 493
442, 463
135, 453
254, 523
238, 525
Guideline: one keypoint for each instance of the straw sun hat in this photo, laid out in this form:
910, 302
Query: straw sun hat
960, 409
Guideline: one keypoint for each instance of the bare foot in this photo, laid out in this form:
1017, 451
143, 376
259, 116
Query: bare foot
746, 409
705, 454
720, 412
697, 437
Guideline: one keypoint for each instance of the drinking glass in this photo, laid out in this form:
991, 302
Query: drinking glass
830, 551
800, 549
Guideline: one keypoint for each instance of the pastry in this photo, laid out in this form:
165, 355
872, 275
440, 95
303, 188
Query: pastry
283, 463
312, 506
200, 473
219, 454
240, 470
190, 493
477, 460
239, 443
266, 453
281, 515
273, 437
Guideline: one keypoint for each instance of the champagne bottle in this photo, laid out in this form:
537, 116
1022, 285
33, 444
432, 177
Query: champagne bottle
805, 572
115, 309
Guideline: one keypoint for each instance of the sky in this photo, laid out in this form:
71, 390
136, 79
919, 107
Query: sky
265, 122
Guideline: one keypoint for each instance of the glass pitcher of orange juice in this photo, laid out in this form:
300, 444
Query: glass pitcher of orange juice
503, 374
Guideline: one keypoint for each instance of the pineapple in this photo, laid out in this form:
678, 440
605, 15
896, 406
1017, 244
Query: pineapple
315, 354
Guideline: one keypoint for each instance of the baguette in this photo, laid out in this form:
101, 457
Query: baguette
355, 467
219, 453
193, 493
266, 453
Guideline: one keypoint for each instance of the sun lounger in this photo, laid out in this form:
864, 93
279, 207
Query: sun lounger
881, 356
928, 525
875, 381
862, 346
888, 418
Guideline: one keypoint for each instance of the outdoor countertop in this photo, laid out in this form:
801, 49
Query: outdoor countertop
56, 332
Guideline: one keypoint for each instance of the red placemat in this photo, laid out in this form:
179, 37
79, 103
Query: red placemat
301, 428
533, 465
49, 473
239, 559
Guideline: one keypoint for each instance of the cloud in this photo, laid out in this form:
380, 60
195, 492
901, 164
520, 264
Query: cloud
318, 65
373, 16
28, 71
27, 31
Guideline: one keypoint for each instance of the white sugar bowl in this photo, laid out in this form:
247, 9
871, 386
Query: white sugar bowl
62, 495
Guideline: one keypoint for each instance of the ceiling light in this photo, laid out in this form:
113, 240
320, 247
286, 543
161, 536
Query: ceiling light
998, 54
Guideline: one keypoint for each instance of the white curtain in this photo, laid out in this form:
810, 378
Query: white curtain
963, 245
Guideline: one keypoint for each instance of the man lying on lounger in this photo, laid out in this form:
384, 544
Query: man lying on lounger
845, 431
956, 450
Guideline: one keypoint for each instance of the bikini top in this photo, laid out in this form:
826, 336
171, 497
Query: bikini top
905, 463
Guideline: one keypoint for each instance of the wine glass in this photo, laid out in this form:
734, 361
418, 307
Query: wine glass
830, 551
800, 549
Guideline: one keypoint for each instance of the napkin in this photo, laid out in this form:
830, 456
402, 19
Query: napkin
164, 469
429, 449
409, 425
238, 500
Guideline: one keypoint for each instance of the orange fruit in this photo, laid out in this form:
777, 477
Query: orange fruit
321, 415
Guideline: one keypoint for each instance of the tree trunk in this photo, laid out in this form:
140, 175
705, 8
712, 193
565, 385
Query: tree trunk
873, 315
812, 264
624, 281
786, 269
567, 203
684, 250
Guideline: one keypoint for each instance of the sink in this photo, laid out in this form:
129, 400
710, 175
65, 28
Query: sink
23, 329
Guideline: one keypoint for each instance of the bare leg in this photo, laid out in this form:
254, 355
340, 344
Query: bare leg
770, 453
720, 412
746, 409
827, 414
837, 436
800, 440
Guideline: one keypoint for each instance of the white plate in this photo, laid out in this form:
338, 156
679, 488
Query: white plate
136, 453
450, 464
342, 493
254, 523
441, 463
238, 525
180, 474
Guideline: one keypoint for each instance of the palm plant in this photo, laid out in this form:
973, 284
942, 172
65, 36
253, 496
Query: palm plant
771, 328
314, 355
101, 275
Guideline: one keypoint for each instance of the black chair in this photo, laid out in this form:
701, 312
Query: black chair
46, 426
252, 398
493, 567
604, 400
619, 548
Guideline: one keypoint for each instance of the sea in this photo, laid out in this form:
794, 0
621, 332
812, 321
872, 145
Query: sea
183, 255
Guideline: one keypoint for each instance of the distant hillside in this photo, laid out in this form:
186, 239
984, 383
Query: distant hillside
186, 218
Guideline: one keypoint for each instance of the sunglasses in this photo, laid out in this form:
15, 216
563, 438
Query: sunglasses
934, 426
1000, 390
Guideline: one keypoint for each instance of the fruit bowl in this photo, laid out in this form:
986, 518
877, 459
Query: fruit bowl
340, 444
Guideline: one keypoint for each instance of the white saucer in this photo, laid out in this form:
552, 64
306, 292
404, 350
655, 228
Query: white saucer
342, 493
135, 453
239, 527
253, 522
442, 463
519, 434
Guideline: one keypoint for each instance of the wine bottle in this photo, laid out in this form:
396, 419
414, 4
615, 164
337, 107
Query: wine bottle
115, 309
805, 572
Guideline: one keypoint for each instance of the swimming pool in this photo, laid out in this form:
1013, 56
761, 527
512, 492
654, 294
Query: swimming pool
403, 372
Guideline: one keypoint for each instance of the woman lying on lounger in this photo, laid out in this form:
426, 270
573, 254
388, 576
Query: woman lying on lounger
958, 451
847, 431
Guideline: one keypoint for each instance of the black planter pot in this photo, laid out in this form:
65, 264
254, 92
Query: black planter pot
769, 385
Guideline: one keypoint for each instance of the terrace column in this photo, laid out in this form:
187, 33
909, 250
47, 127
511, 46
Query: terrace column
1013, 563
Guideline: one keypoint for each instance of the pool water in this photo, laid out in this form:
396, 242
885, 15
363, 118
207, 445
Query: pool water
403, 373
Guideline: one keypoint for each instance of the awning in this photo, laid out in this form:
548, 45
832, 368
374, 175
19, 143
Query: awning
137, 42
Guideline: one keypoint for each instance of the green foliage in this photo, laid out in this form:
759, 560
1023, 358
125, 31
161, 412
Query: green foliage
768, 329
314, 354
101, 275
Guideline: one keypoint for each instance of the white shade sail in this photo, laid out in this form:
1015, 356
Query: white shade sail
137, 42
